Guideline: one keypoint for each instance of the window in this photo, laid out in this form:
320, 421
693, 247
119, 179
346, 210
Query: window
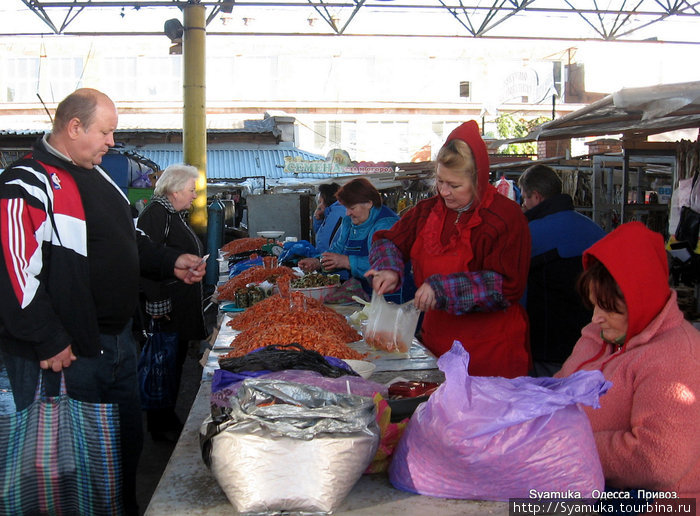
143, 78
59, 77
335, 134
385, 140
442, 129
465, 89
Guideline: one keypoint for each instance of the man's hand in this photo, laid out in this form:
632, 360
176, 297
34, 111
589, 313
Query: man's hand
60, 361
190, 268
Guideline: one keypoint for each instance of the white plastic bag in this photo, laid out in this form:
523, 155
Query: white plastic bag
687, 194
506, 187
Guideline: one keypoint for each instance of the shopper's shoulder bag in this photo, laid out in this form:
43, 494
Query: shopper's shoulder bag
60, 456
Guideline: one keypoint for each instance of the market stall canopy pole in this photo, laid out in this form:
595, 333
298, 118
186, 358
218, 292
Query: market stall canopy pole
194, 127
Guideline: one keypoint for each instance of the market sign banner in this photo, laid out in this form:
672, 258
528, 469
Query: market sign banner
337, 162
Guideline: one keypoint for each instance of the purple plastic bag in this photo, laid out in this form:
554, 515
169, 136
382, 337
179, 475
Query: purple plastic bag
493, 438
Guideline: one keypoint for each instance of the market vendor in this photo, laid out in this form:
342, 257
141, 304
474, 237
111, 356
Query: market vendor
328, 216
470, 250
646, 427
349, 251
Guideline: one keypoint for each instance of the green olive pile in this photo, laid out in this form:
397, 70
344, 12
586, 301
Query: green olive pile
315, 280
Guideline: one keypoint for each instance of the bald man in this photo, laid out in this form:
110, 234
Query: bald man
69, 271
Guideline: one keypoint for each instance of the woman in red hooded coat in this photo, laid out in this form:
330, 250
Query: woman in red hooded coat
470, 251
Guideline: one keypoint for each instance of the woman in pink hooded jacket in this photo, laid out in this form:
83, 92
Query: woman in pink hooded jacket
647, 428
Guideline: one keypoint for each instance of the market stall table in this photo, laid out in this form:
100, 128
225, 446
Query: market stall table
188, 488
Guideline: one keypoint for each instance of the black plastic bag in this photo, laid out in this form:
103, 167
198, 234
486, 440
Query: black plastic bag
688, 227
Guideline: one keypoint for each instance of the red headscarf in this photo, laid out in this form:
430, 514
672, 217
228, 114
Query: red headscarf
636, 259
468, 132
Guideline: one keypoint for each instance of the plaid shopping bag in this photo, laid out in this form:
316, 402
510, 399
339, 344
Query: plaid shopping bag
60, 456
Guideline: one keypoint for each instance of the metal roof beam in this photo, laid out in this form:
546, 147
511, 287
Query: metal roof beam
359, 3
38, 9
607, 22
70, 16
322, 10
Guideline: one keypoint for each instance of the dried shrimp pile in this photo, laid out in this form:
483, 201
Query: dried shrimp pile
300, 319
267, 333
243, 245
257, 274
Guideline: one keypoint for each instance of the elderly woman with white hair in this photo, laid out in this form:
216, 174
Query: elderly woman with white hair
176, 306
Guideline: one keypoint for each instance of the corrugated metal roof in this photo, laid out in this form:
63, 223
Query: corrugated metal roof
172, 123
160, 123
238, 163
21, 132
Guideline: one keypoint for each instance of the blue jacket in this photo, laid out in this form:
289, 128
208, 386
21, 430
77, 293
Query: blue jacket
556, 313
355, 241
327, 228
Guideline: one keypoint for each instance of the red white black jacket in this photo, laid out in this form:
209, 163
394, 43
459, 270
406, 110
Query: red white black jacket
46, 298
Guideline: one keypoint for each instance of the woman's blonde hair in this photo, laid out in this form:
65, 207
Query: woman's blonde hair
174, 178
456, 155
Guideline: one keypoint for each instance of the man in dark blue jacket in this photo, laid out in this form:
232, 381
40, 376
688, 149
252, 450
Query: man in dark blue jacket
559, 237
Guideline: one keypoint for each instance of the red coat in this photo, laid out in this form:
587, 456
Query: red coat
491, 236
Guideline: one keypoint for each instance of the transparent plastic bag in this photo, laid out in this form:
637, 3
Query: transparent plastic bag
390, 327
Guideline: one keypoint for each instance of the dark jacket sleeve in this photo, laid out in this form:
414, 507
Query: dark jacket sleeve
157, 260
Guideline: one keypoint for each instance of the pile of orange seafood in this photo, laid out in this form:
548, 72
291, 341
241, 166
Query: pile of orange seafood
293, 318
243, 245
257, 274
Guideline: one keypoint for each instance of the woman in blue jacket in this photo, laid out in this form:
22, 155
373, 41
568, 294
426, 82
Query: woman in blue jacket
328, 216
349, 251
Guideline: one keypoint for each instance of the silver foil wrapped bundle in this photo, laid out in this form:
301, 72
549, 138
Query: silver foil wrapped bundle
284, 446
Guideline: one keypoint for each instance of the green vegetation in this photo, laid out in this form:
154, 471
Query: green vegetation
511, 127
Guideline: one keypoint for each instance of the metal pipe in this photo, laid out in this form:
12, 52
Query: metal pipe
194, 125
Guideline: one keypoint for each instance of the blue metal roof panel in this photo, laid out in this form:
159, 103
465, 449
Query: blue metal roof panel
239, 163
21, 132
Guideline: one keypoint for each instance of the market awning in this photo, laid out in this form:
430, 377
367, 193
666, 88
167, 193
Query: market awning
631, 112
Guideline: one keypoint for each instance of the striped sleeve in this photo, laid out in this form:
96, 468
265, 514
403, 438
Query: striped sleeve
23, 227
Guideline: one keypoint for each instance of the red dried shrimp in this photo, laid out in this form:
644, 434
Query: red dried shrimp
243, 245
266, 333
284, 284
298, 318
257, 274
274, 305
